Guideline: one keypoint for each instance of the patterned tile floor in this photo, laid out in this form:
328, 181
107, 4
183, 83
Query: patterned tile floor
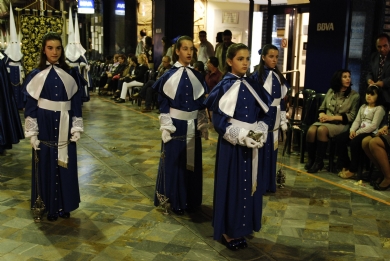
315, 217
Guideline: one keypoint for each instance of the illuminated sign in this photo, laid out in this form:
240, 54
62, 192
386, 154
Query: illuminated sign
86, 7
120, 7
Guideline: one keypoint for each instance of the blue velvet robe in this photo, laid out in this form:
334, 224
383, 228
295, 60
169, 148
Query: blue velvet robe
235, 212
11, 130
16, 84
183, 187
268, 153
59, 186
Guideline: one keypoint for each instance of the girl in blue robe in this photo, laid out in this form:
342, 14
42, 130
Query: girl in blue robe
53, 124
183, 120
272, 81
237, 108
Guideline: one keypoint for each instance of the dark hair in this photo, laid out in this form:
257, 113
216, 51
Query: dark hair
227, 33
42, 61
148, 41
335, 82
142, 32
214, 61
199, 65
261, 70
383, 35
167, 44
122, 56
175, 57
134, 59
380, 100
231, 53
202, 32
219, 37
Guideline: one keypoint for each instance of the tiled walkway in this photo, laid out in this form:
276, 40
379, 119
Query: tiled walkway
315, 217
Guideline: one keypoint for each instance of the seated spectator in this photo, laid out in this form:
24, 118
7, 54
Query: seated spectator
125, 76
199, 66
365, 124
137, 80
147, 92
214, 75
378, 149
336, 113
114, 75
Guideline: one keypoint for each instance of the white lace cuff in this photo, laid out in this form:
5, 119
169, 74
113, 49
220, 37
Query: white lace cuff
77, 125
263, 128
31, 127
283, 119
166, 122
235, 135
202, 120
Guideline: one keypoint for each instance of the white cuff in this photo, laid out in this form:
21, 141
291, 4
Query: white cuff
31, 127
202, 120
166, 122
77, 125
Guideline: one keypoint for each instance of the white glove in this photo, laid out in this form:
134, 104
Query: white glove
283, 126
166, 136
34, 142
251, 143
75, 136
283, 121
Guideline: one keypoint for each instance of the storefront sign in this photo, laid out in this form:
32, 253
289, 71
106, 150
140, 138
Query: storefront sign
86, 7
120, 7
325, 27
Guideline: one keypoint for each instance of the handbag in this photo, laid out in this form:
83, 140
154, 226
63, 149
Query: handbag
116, 77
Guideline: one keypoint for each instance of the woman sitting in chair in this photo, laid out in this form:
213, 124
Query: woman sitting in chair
337, 112
134, 80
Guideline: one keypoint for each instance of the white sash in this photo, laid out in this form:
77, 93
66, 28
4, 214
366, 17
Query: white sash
63, 107
190, 137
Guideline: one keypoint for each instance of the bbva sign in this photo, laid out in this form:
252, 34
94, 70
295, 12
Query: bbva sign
86, 4
325, 27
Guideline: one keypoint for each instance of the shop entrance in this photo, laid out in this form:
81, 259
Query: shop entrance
289, 31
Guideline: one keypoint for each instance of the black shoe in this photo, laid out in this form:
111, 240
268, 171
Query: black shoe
309, 165
242, 242
147, 109
114, 98
64, 214
52, 217
378, 187
120, 101
317, 166
179, 212
232, 245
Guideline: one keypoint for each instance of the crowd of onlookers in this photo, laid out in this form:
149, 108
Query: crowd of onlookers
362, 124
120, 76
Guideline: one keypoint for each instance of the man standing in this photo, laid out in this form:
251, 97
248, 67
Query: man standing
141, 43
206, 49
379, 73
147, 91
221, 50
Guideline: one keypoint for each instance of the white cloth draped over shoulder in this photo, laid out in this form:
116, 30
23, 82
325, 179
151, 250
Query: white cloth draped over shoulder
171, 85
227, 103
276, 102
